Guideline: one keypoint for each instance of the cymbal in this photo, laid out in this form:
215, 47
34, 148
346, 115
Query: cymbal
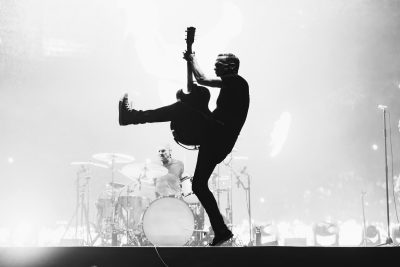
241, 157
116, 185
139, 190
113, 158
146, 170
84, 163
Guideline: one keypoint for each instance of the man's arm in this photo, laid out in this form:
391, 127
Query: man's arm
199, 75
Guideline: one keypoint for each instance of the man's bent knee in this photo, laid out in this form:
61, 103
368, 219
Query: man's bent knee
199, 187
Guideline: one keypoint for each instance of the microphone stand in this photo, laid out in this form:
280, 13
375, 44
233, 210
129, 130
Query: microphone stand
229, 209
389, 240
247, 191
81, 214
114, 233
364, 224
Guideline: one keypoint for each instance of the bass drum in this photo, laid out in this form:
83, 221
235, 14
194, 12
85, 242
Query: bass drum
168, 221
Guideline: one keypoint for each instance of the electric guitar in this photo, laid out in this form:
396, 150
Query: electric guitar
198, 97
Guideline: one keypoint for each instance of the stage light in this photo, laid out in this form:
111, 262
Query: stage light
326, 234
10, 160
350, 233
262, 200
295, 233
396, 234
372, 236
374, 147
265, 235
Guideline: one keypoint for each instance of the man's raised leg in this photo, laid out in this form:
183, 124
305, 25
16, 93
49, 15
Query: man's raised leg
128, 115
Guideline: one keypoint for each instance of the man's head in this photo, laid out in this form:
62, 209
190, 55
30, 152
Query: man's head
165, 153
226, 64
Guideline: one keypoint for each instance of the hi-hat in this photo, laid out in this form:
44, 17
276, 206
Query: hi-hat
87, 163
144, 170
113, 158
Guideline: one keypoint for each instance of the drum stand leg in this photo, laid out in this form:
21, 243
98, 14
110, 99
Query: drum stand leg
114, 233
85, 211
114, 203
126, 223
81, 209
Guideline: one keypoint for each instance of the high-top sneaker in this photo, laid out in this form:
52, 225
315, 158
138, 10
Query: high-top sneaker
221, 238
127, 115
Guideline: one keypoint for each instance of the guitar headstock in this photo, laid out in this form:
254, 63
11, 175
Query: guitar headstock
190, 31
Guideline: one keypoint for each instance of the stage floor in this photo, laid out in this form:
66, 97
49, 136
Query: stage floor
197, 256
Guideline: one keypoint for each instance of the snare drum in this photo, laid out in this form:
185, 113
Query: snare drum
105, 212
168, 221
104, 208
187, 193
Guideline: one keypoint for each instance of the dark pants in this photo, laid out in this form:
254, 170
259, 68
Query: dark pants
218, 142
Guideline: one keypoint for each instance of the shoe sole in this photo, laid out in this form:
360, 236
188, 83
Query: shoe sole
222, 241
120, 113
120, 107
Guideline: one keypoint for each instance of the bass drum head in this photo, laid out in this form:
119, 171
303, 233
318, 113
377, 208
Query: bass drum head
168, 222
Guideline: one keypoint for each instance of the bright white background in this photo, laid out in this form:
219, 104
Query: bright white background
317, 71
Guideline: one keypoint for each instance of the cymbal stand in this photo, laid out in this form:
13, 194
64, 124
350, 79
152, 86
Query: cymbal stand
364, 224
389, 240
128, 207
229, 209
81, 214
114, 237
215, 182
248, 198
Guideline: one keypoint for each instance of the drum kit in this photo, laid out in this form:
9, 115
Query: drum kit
130, 214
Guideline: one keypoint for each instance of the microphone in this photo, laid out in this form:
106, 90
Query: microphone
383, 107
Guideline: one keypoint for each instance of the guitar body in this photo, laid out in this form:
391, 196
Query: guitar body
188, 131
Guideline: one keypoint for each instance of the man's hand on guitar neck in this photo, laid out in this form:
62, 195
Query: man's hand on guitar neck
198, 74
189, 57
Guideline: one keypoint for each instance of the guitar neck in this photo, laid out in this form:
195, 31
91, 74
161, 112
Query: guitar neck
190, 31
189, 76
189, 70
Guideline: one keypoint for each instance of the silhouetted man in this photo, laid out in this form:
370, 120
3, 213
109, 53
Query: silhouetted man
220, 129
